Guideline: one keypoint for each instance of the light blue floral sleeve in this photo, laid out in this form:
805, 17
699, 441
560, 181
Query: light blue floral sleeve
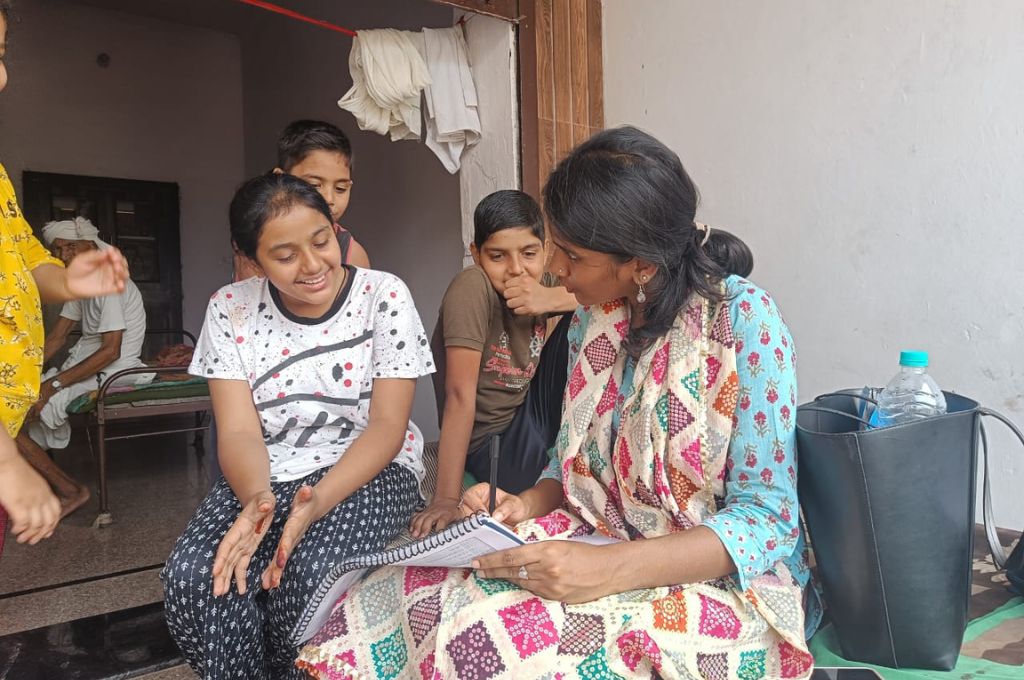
759, 522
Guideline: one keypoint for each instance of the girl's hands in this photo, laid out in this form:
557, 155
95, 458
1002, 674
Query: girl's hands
508, 508
304, 507
240, 542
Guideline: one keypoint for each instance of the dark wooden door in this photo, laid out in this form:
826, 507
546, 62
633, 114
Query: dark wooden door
141, 218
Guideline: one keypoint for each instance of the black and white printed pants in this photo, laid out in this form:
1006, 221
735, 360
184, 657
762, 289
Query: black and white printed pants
247, 636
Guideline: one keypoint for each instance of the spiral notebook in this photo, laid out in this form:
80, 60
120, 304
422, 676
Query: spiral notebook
457, 546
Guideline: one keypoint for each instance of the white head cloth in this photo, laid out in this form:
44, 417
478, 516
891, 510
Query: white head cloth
78, 229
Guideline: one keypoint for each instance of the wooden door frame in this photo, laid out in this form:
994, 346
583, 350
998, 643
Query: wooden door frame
561, 82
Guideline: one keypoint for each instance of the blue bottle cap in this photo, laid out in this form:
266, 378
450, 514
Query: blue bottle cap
914, 359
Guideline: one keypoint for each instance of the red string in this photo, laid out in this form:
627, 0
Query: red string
295, 15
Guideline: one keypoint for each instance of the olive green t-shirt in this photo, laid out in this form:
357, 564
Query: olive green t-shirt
473, 315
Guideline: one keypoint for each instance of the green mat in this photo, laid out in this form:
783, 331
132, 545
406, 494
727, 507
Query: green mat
172, 389
825, 647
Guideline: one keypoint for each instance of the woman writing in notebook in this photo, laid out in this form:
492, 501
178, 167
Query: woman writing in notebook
677, 429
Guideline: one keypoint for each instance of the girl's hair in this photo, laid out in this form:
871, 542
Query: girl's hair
503, 210
265, 197
5, 10
624, 193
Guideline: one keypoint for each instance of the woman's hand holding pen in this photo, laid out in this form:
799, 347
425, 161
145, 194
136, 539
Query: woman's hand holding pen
509, 508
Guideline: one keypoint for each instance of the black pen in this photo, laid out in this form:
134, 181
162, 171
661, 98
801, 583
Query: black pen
495, 449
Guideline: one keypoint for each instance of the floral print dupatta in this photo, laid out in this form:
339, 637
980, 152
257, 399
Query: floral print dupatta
635, 465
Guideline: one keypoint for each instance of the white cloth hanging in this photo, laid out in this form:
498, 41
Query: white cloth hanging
388, 75
453, 123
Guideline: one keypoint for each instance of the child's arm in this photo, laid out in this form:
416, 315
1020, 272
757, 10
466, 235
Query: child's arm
245, 463
462, 373
92, 274
33, 508
357, 255
527, 296
241, 451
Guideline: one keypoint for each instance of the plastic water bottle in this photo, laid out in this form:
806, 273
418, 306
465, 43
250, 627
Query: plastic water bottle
910, 395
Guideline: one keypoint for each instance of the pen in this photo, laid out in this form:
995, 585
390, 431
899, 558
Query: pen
495, 448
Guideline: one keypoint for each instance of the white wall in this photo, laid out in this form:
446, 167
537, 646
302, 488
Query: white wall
169, 108
872, 155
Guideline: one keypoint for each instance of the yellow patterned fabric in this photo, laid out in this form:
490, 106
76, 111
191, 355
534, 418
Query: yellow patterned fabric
21, 318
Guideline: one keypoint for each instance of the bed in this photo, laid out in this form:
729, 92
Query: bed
171, 392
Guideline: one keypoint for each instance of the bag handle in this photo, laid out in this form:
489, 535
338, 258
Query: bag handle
994, 545
836, 412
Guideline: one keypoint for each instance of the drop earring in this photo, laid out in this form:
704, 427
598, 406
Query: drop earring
641, 296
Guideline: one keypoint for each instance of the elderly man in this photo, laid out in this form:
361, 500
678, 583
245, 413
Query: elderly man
113, 329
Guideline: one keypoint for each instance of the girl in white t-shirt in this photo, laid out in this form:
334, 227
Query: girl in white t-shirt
312, 368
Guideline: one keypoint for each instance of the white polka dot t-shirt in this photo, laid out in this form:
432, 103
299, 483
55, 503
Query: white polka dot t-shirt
311, 379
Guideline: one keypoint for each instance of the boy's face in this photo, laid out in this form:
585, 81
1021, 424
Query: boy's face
509, 253
330, 173
3, 53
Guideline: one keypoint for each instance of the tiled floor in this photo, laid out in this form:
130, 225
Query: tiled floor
49, 592
80, 572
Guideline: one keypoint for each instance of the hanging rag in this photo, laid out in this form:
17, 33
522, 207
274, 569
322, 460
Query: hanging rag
388, 75
453, 123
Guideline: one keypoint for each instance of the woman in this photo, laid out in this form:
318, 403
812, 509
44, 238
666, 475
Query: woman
312, 367
677, 429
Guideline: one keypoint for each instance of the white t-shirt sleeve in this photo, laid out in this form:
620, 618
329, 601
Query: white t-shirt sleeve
400, 345
111, 313
72, 310
217, 353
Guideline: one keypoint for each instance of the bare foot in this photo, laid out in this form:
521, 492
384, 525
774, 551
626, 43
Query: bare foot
69, 505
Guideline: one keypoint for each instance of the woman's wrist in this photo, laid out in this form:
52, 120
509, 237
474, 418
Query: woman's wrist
537, 499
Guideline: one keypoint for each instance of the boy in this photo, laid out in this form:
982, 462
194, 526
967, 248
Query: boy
492, 377
320, 154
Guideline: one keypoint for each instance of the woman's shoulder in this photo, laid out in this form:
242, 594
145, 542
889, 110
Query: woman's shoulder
746, 297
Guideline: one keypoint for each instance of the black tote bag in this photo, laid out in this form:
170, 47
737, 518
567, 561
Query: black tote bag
890, 514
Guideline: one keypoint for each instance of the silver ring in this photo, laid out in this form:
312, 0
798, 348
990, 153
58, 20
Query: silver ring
523, 574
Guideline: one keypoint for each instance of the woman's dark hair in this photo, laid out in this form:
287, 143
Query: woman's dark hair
265, 197
5, 10
624, 193
731, 253
503, 210
302, 137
